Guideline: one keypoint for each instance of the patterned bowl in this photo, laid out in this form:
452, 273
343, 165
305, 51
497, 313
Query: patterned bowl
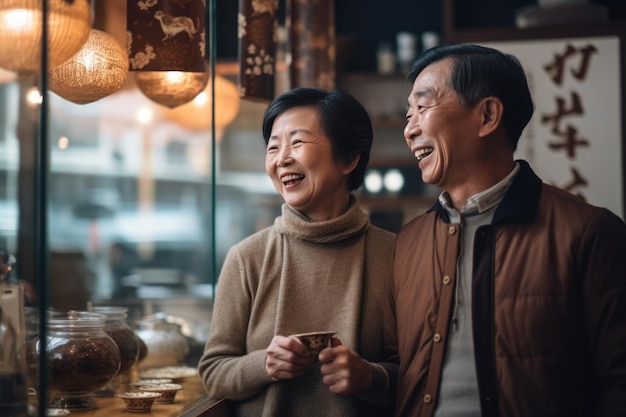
151, 382
314, 341
167, 391
139, 401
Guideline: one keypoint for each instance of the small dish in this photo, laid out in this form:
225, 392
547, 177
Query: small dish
175, 373
152, 382
56, 412
314, 341
139, 401
167, 391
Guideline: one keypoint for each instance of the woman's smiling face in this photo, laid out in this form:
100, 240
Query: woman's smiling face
302, 166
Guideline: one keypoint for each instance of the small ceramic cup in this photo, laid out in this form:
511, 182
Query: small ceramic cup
167, 391
314, 341
139, 401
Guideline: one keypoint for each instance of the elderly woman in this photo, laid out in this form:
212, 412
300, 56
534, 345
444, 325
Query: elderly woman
321, 266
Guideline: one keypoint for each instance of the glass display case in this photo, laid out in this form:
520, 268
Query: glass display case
113, 201
108, 198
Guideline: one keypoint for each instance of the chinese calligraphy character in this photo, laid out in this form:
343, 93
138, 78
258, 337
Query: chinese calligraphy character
570, 142
575, 109
556, 68
577, 181
570, 135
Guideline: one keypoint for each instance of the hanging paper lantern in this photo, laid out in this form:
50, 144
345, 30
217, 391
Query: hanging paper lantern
7, 76
69, 24
166, 46
196, 114
98, 69
171, 88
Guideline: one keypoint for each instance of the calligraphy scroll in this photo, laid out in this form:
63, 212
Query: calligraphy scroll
575, 137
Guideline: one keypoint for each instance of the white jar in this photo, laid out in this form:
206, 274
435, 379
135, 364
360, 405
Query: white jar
429, 40
166, 345
406, 50
386, 59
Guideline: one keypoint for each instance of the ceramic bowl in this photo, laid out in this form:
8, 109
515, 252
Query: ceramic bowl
167, 391
152, 382
52, 412
139, 401
314, 341
175, 373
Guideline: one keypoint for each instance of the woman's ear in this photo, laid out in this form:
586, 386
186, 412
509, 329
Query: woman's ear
491, 113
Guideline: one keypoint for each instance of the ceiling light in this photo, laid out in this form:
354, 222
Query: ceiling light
97, 70
69, 23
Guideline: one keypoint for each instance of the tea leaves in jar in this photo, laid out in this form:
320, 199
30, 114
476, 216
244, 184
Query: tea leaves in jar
13, 397
82, 358
82, 365
121, 333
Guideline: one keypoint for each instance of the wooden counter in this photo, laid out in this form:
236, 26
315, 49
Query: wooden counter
191, 401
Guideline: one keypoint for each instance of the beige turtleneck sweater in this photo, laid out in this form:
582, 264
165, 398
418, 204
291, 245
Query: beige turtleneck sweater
299, 276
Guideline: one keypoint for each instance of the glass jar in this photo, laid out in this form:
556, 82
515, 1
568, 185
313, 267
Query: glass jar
13, 371
82, 358
166, 344
13, 376
386, 59
143, 350
31, 338
406, 50
119, 330
115, 326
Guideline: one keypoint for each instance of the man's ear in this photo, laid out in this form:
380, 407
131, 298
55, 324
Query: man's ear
491, 114
350, 167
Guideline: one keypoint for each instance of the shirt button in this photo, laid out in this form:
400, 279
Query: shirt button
427, 398
437, 337
451, 230
446, 280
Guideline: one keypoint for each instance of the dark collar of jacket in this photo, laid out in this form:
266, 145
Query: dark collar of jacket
519, 203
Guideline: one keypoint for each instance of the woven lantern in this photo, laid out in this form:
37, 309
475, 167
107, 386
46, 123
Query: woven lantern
171, 88
196, 114
166, 43
69, 24
98, 69
7, 76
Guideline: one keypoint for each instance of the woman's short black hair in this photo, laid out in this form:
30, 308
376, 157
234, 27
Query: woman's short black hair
481, 72
344, 120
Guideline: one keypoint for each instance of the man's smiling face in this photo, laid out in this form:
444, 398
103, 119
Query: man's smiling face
440, 131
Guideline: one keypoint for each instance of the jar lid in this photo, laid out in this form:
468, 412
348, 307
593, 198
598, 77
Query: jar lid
74, 318
156, 323
111, 312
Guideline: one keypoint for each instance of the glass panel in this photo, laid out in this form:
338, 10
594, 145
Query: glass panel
141, 202
9, 155
246, 199
129, 201
128, 198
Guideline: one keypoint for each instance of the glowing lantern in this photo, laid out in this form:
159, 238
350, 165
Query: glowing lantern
69, 24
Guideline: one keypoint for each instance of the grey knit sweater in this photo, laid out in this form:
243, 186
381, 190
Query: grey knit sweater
298, 276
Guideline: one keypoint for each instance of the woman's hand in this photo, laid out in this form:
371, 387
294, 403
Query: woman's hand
345, 372
287, 358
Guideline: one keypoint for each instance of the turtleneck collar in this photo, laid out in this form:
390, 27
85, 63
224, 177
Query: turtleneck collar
353, 222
